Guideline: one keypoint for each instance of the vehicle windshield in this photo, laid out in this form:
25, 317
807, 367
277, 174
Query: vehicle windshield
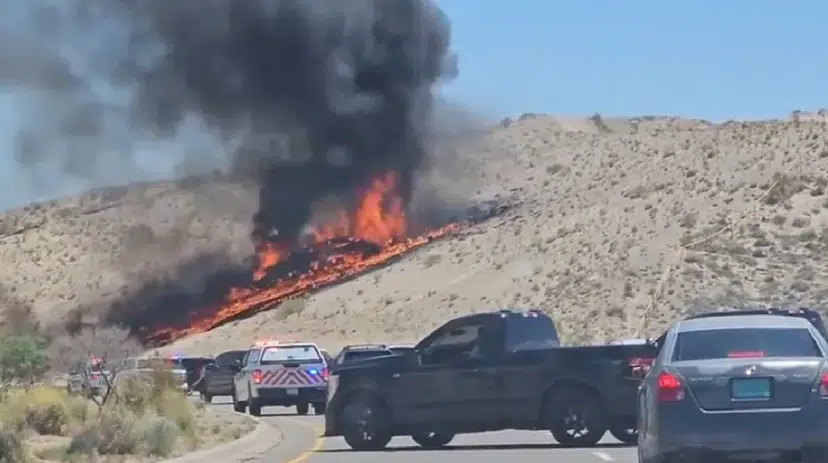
290, 354
354, 355
745, 343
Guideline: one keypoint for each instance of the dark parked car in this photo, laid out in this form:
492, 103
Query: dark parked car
218, 375
736, 387
487, 372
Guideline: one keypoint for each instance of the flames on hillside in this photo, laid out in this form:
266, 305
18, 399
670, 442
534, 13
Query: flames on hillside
371, 234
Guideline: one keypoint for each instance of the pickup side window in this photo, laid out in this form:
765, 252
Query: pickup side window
530, 333
455, 340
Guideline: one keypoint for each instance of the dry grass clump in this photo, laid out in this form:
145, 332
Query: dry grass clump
149, 420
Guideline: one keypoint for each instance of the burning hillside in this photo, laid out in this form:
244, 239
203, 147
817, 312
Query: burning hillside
307, 100
372, 234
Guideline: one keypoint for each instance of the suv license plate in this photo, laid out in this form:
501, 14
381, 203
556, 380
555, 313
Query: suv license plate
293, 391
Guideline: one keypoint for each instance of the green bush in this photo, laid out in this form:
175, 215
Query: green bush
173, 404
42, 409
161, 435
113, 434
12, 448
23, 360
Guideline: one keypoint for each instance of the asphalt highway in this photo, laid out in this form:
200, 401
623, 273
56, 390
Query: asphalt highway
300, 444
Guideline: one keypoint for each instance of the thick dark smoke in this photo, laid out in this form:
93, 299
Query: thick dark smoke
318, 96
312, 96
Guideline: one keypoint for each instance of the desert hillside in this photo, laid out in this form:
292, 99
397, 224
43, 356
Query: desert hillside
604, 206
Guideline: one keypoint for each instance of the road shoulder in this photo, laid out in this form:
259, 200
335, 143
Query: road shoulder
261, 440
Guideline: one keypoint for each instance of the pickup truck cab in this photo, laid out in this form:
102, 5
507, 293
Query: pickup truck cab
487, 372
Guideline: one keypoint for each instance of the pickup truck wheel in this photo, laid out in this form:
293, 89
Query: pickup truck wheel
432, 440
575, 418
238, 407
302, 409
626, 435
365, 423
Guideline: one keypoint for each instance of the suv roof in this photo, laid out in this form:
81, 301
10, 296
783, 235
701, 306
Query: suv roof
803, 312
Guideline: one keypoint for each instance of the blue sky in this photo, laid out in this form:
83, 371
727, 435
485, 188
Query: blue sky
710, 59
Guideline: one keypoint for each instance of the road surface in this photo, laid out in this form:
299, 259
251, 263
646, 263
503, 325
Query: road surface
301, 445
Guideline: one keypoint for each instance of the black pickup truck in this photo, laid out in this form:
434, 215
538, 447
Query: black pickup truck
488, 372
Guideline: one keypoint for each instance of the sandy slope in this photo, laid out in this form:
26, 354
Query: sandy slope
604, 204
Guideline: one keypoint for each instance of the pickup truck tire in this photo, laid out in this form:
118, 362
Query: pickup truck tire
302, 409
576, 417
365, 422
626, 435
238, 407
432, 440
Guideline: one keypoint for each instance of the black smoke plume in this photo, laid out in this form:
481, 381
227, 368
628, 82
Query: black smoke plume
319, 96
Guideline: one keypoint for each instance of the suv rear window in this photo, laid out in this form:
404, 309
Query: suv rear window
290, 354
745, 342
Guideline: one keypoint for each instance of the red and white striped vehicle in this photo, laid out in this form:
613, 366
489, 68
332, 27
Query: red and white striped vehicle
284, 373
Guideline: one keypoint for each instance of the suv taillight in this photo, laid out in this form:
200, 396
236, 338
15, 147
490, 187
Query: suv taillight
669, 388
325, 373
823, 386
257, 376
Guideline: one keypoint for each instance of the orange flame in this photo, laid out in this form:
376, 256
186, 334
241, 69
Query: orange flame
379, 218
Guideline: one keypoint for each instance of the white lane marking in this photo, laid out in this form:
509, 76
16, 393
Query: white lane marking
604, 456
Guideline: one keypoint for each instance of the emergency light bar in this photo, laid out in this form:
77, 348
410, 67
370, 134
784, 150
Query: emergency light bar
272, 342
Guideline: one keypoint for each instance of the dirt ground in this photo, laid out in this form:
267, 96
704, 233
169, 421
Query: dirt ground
622, 226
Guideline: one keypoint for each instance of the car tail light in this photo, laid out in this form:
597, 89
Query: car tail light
823, 385
669, 388
257, 376
93, 376
325, 373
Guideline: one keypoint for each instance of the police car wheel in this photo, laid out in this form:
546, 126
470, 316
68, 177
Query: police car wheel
255, 407
238, 407
431, 440
302, 409
575, 418
365, 423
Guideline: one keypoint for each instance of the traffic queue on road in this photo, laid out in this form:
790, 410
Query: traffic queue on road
743, 384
